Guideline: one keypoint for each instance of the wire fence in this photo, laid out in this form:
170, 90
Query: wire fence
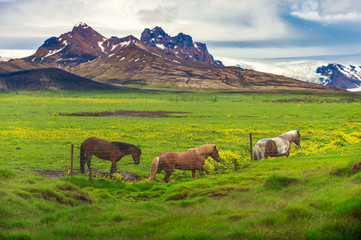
65, 160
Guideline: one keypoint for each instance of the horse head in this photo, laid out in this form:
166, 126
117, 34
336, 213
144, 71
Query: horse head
297, 139
136, 152
215, 155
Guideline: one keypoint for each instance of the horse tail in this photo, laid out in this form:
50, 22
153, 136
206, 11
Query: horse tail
154, 168
256, 153
255, 157
82, 160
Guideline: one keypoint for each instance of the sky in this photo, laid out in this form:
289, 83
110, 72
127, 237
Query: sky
230, 28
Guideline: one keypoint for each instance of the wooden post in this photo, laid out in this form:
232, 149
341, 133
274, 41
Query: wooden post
235, 164
90, 174
251, 146
71, 159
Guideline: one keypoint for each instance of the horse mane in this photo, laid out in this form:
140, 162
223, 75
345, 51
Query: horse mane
124, 146
204, 149
290, 135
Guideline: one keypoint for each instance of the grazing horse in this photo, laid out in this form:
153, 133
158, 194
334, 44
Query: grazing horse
276, 147
193, 160
112, 151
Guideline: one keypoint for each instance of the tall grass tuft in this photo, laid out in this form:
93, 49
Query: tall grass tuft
279, 182
6, 174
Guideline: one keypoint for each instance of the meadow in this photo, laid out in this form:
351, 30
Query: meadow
313, 194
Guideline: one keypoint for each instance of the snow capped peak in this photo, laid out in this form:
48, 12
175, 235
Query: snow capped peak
81, 24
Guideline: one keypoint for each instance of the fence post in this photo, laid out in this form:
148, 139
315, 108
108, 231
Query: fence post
251, 146
71, 159
90, 174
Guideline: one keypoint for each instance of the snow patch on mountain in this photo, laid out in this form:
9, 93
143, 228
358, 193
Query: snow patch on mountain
100, 44
161, 46
124, 44
351, 71
52, 52
81, 24
355, 89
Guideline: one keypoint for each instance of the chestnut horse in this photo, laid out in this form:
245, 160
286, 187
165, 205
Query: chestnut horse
276, 147
112, 151
193, 160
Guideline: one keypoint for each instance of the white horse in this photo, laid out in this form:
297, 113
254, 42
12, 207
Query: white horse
276, 147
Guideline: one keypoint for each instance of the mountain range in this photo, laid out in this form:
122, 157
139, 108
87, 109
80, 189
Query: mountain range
156, 59
84, 44
342, 71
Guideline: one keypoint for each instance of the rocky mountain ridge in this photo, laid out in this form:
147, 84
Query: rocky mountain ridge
181, 46
84, 44
80, 45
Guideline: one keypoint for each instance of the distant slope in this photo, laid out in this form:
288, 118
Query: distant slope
152, 69
22, 64
47, 79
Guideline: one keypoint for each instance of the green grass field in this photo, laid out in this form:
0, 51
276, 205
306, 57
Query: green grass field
313, 194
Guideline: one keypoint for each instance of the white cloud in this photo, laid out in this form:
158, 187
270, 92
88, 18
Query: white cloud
158, 15
203, 19
235, 20
327, 11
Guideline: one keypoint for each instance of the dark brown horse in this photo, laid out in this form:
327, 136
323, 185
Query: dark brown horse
112, 151
193, 160
278, 146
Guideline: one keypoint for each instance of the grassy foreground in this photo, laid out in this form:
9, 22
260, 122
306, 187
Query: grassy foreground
313, 194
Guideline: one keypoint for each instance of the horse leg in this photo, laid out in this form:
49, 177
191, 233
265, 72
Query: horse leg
88, 160
167, 175
82, 160
113, 168
82, 166
261, 156
255, 157
194, 174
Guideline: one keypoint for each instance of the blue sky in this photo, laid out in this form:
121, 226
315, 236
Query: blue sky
230, 28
